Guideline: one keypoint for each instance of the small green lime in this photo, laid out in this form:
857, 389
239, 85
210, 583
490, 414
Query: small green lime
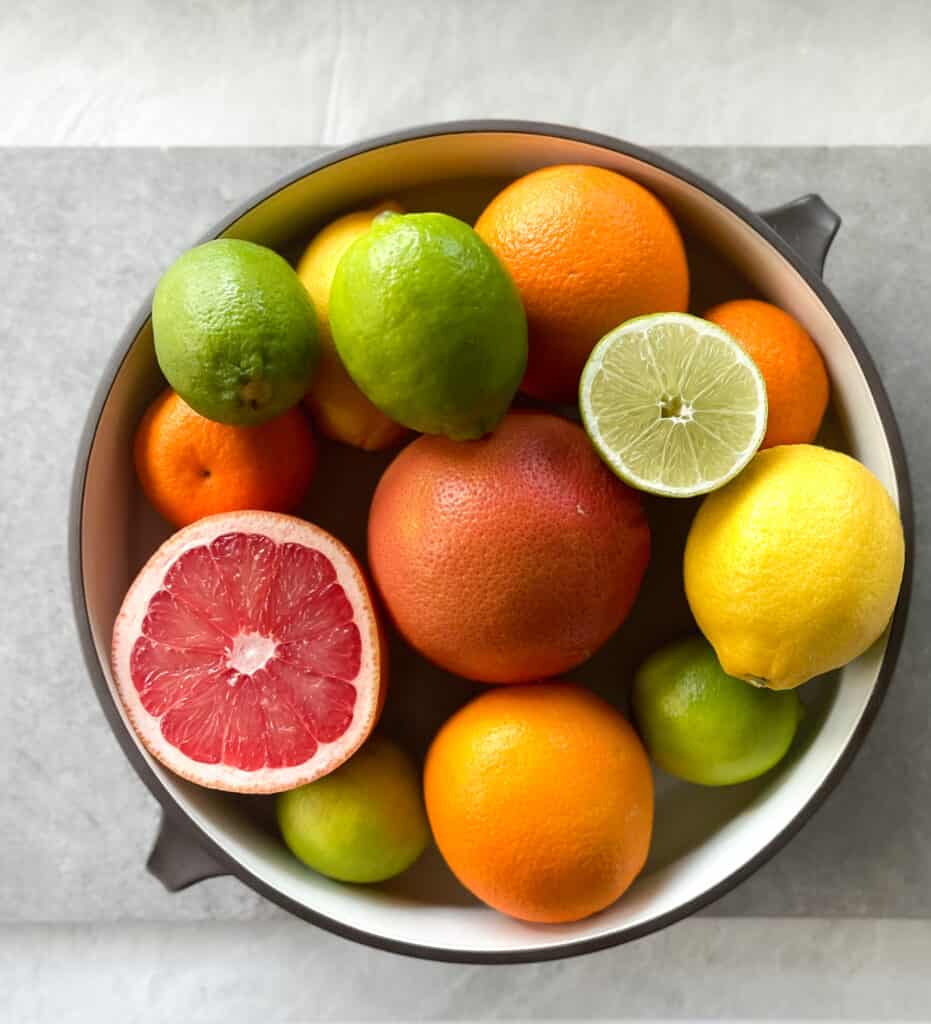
364, 822
235, 331
705, 726
429, 324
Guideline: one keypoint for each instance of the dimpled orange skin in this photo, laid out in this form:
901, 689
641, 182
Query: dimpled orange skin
796, 380
540, 798
588, 249
190, 467
511, 558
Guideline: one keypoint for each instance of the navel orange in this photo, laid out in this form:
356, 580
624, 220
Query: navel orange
540, 798
588, 249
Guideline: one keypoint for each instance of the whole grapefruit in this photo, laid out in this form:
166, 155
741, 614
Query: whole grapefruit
588, 249
511, 558
540, 798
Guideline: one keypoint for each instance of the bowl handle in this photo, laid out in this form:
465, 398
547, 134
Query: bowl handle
808, 224
178, 860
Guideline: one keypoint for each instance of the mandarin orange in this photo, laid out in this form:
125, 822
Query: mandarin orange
792, 367
190, 467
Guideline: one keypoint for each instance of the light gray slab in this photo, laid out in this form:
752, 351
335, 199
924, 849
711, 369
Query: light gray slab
227, 72
242, 973
85, 235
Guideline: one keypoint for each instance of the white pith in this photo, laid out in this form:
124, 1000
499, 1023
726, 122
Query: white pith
251, 651
128, 626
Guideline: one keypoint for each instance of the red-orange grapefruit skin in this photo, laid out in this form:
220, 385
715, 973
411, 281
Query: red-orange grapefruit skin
511, 558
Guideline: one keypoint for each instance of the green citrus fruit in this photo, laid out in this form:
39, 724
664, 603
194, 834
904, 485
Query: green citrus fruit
673, 404
705, 726
235, 332
364, 822
429, 324
339, 408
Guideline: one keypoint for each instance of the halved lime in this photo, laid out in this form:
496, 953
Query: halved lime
673, 404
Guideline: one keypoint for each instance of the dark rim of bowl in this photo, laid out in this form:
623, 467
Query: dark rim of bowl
572, 947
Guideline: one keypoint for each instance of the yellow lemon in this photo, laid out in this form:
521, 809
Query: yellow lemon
338, 407
793, 568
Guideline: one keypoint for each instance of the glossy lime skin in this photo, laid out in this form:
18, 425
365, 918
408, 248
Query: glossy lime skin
364, 822
429, 324
235, 332
705, 726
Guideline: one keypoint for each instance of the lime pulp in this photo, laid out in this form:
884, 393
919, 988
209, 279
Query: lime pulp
673, 404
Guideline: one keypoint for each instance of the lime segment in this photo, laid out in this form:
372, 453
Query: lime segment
673, 404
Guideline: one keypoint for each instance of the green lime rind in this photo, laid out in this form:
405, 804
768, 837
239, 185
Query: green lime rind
364, 822
429, 324
235, 332
673, 404
706, 727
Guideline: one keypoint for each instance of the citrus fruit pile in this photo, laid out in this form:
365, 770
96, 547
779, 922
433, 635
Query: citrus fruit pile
506, 543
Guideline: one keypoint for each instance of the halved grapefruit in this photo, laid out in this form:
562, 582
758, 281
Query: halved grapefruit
247, 653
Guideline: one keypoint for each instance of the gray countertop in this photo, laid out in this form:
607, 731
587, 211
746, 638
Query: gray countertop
85, 236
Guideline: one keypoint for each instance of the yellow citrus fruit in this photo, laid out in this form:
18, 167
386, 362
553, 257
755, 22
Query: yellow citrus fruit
338, 407
793, 568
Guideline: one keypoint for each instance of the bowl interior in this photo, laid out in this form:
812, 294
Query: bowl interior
702, 836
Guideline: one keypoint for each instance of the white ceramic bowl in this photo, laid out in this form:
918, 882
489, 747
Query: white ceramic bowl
706, 840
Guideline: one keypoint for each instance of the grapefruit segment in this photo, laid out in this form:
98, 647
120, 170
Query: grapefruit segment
247, 654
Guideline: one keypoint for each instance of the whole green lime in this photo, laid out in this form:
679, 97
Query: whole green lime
364, 822
429, 324
705, 726
235, 331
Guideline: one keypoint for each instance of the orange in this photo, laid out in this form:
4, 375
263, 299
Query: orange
588, 249
792, 367
540, 798
190, 467
511, 558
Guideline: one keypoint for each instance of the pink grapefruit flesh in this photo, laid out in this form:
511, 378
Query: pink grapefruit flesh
247, 653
